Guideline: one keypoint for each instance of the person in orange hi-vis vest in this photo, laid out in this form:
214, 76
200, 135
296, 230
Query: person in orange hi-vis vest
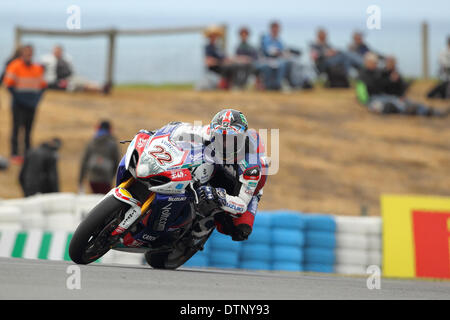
25, 80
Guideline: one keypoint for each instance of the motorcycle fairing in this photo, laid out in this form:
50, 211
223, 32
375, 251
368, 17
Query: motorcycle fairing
168, 213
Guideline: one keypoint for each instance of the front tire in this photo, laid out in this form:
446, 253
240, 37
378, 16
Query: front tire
103, 217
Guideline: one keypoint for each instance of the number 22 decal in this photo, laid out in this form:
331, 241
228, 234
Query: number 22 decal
161, 155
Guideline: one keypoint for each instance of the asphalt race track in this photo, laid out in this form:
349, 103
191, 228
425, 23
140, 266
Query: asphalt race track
44, 279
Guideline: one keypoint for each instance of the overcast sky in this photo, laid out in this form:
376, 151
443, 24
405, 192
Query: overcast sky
263, 9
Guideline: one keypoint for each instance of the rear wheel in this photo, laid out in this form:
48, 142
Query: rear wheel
171, 260
92, 239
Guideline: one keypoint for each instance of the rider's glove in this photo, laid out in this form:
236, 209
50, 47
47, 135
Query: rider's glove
241, 232
210, 198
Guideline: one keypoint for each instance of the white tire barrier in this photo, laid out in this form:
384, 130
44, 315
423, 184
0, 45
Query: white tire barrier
358, 244
281, 240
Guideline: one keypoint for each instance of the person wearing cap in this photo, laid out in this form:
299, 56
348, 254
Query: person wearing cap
216, 59
100, 160
39, 173
25, 80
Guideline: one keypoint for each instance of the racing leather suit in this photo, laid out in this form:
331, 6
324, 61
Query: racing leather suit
239, 185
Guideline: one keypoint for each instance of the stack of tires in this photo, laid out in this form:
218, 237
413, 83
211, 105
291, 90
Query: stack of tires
288, 239
320, 243
10, 217
222, 251
59, 209
256, 252
358, 244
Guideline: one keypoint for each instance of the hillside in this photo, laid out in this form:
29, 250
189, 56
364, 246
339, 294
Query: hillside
335, 156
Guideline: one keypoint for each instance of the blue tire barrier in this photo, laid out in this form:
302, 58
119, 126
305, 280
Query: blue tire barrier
284, 236
197, 261
287, 266
263, 220
317, 267
260, 235
223, 258
320, 239
257, 252
206, 248
319, 222
219, 241
255, 265
287, 254
288, 220
320, 255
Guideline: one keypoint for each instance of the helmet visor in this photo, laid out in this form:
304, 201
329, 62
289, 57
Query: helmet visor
228, 147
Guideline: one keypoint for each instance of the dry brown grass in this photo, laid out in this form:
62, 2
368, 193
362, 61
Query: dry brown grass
334, 155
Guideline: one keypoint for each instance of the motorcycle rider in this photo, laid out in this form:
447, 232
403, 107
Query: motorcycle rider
239, 174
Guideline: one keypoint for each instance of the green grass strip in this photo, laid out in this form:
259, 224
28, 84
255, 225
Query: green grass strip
66, 252
19, 245
45, 245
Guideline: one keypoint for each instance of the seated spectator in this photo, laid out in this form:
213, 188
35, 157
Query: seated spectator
245, 51
371, 92
395, 84
246, 57
60, 75
216, 60
442, 89
332, 62
100, 160
39, 173
273, 67
358, 45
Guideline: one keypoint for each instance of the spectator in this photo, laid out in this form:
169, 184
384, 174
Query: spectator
371, 91
442, 89
444, 62
245, 51
39, 173
246, 57
15, 55
25, 81
395, 84
58, 69
334, 63
3, 163
274, 65
100, 160
60, 75
358, 45
216, 60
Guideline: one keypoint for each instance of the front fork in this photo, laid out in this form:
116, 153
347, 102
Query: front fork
137, 209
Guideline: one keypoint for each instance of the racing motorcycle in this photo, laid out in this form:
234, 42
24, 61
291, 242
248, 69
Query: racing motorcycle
153, 207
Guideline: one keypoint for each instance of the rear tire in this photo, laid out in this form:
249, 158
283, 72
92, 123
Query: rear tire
159, 260
99, 217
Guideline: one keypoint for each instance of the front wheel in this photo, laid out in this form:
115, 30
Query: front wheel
92, 239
